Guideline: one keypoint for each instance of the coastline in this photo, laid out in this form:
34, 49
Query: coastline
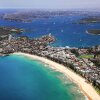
86, 88
91, 33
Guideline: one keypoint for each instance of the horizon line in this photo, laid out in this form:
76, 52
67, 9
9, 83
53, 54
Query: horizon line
44, 8
52, 9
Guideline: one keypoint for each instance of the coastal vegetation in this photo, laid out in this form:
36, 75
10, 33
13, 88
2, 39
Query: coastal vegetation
89, 20
94, 31
97, 89
5, 31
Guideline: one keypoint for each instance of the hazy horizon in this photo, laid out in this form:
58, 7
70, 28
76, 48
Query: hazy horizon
50, 4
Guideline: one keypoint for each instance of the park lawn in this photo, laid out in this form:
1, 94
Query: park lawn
87, 56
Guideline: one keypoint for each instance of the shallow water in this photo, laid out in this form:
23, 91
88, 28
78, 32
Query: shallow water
26, 79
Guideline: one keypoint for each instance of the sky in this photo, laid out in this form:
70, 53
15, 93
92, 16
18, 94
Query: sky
50, 4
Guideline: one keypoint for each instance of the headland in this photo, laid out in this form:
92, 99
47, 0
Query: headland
94, 31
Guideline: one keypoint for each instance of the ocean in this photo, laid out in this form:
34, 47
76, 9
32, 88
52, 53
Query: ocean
64, 28
22, 78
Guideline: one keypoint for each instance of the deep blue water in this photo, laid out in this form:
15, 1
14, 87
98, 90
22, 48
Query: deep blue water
24, 79
63, 28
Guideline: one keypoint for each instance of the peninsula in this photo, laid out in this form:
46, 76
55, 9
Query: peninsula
5, 31
94, 31
89, 20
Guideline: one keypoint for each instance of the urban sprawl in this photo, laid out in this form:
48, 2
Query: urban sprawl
83, 61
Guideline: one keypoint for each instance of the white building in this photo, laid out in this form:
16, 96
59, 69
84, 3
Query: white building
10, 37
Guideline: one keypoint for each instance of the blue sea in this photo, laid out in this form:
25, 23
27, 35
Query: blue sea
64, 28
22, 78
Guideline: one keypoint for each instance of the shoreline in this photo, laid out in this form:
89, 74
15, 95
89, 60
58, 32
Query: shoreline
85, 87
91, 33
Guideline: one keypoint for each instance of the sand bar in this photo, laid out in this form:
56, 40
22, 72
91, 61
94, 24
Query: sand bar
87, 89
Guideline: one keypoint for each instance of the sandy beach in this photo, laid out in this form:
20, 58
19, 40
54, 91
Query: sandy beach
87, 89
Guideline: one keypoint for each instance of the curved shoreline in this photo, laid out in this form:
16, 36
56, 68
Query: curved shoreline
91, 33
87, 89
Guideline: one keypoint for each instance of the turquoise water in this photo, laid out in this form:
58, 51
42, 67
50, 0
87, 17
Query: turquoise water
22, 78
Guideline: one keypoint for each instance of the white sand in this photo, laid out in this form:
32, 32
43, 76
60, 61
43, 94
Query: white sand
85, 87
